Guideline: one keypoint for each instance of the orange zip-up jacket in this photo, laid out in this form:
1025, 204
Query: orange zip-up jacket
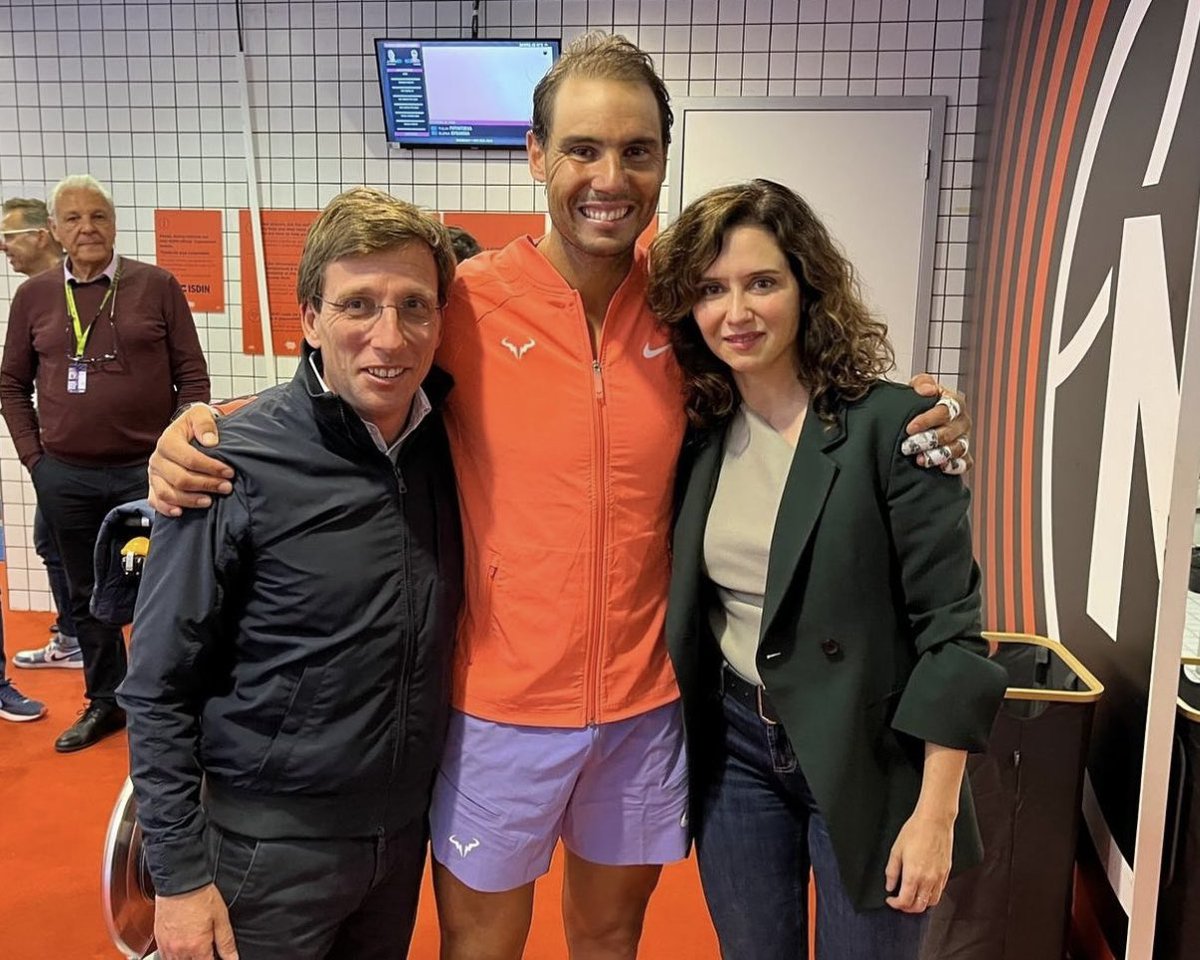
566, 461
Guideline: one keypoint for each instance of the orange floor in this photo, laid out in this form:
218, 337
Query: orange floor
54, 811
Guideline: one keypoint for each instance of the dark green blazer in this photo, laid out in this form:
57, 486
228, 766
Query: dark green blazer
871, 628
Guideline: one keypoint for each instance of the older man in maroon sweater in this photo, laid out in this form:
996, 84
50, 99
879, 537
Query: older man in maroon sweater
111, 348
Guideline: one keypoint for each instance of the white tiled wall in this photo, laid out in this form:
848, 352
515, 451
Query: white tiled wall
145, 96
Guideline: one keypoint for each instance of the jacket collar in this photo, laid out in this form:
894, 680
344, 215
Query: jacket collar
804, 494
523, 262
108, 272
805, 491
332, 411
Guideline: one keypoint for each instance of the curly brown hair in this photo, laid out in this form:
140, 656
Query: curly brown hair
841, 348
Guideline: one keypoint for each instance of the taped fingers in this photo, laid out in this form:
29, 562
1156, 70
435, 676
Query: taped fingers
953, 407
921, 442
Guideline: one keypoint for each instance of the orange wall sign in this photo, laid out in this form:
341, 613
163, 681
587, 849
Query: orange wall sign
283, 233
187, 243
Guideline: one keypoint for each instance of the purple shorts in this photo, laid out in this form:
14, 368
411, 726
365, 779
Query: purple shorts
615, 793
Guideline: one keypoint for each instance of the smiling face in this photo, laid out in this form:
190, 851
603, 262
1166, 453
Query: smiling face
603, 164
377, 364
86, 226
749, 307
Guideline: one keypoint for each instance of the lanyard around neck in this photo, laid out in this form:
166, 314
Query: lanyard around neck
82, 333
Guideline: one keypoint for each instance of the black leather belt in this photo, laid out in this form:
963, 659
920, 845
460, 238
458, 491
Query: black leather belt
751, 695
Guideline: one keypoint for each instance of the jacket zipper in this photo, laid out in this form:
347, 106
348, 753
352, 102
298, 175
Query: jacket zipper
594, 658
406, 648
407, 652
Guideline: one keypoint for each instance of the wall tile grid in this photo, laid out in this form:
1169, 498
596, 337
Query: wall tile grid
147, 98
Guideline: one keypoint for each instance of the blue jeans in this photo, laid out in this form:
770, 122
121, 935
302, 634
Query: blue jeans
43, 543
759, 832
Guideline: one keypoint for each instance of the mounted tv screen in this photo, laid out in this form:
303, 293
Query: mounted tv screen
460, 93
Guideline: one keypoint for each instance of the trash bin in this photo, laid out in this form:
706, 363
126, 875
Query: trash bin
1177, 934
1027, 789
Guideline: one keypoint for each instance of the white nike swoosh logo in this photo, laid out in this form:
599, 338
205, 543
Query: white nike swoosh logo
650, 353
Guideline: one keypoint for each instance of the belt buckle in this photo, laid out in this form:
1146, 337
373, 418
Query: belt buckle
758, 694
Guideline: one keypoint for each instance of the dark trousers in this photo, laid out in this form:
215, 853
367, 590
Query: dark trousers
759, 832
346, 899
43, 543
75, 501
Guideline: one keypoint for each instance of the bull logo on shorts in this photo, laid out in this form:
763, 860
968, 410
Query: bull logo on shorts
464, 848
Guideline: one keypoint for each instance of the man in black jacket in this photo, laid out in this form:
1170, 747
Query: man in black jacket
288, 687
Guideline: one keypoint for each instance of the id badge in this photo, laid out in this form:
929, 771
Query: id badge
76, 377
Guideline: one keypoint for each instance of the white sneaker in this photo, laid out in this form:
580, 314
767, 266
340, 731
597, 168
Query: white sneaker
53, 654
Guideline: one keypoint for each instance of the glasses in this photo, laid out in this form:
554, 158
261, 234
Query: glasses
415, 312
104, 357
7, 235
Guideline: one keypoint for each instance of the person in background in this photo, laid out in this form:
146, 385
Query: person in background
14, 705
824, 616
26, 241
25, 237
31, 249
109, 345
465, 245
293, 643
564, 422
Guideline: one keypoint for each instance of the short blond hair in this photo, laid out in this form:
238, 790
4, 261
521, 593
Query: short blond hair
364, 220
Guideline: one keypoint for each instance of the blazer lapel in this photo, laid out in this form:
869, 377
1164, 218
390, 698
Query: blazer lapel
688, 543
804, 494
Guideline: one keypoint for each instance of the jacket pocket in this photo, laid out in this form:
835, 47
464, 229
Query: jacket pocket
488, 599
304, 694
233, 858
478, 610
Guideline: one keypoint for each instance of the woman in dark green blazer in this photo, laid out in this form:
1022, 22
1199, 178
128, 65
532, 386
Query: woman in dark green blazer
824, 618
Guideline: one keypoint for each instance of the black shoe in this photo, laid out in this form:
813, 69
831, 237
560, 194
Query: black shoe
99, 720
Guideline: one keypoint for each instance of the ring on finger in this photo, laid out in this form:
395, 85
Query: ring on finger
952, 406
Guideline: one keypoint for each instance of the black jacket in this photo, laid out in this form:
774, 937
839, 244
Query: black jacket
871, 639
292, 644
